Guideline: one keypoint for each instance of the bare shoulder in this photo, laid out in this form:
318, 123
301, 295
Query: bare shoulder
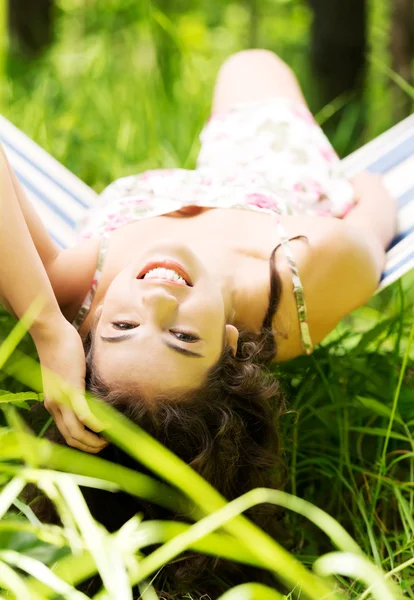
71, 275
338, 269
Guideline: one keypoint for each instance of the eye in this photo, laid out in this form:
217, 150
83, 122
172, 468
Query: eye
122, 326
185, 337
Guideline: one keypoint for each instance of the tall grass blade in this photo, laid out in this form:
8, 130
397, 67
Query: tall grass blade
41, 572
251, 591
9, 494
10, 580
358, 567
109, 563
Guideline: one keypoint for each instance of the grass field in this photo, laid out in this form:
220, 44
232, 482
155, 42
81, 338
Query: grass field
126, 88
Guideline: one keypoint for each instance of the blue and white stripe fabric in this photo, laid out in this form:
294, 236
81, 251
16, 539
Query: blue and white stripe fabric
392, 155
62, 199
59, 197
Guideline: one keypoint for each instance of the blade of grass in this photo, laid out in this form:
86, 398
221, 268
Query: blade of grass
110, 564
62, 458
221, 517
383, 460
358, 567
10, 493
251, 591
19, 330
40, 571
394, 571
10, 580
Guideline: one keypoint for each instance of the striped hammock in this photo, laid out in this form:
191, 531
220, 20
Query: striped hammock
61, 198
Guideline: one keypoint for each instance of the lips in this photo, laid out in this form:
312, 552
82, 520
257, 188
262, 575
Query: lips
166, 264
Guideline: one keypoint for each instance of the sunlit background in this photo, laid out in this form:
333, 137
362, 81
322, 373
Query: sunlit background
111, 87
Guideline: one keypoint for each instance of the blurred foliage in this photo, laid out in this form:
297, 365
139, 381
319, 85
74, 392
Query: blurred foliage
145, 71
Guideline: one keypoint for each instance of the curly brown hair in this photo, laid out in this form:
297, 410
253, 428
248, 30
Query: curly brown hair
227, 431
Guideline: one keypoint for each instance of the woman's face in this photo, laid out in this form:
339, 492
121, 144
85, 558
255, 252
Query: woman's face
157, 335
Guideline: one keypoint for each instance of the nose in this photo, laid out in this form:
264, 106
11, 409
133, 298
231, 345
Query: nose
159, 304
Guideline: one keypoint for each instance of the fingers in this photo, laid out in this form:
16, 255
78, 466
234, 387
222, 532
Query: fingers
73, 430
75, 433
366, 178
83, 412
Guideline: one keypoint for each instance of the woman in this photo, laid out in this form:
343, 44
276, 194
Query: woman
190, 298
182, 294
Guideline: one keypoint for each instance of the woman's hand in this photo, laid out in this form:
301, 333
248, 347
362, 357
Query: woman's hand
62, 360
370, 187
375, 212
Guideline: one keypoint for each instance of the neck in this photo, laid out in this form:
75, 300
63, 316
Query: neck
245, 300
228, 292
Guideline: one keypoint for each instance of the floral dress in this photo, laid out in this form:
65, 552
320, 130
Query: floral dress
270, 156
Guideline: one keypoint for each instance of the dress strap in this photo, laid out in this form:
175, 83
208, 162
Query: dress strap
297, 286
86, 304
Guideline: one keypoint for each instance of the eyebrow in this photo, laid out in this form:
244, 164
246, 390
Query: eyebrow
126, 336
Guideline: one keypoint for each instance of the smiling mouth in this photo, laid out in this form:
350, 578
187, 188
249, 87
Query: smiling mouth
181, 275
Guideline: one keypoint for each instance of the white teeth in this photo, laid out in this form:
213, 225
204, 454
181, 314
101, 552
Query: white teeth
161, 273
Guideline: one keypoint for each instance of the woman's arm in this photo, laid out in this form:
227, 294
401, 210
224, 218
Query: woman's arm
344, 260
24, 280
45, 246
69, 271
352, 254
375, 215
22, 273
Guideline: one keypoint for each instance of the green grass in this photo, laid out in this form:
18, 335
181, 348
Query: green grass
126, 88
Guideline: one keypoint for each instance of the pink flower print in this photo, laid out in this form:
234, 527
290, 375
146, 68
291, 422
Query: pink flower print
116, 220
147, 175
323, 212
298, 187
125, 203
328, 154
155, 174
315, 186
163, 172
230, 177
323, 208
310, 190
262, 201
300, 111
346, 208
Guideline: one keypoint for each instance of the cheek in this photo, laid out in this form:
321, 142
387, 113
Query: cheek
118, 297
120, 287
209, 317
212, 303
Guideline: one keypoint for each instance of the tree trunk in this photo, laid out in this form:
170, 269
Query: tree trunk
253, 8
402, 53
31, 25
338, 45
338, 59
